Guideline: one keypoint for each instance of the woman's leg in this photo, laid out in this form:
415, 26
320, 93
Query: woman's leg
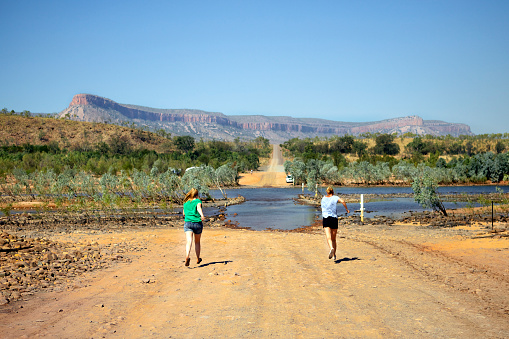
328, 235
189, 243
197, 245
334, 232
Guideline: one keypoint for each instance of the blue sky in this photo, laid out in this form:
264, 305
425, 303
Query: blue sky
338, 60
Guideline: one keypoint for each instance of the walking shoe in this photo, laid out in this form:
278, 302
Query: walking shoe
331, 253
188, 260
198, 261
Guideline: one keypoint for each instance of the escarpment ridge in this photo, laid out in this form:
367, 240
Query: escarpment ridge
214, 125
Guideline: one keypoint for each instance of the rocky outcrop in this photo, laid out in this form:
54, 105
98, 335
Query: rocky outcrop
386, 125
444, 128
87, 107
145, 114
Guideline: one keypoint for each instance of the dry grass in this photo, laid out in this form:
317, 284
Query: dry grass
17, 130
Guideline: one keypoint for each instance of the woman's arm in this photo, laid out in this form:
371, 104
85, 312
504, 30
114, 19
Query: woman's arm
198, 208
344, 204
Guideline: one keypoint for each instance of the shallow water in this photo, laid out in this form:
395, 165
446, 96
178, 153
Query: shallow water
269, 208
275, 207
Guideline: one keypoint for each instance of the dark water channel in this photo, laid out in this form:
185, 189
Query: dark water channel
275, 208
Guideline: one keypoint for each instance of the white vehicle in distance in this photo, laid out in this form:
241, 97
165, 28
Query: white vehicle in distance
289, 179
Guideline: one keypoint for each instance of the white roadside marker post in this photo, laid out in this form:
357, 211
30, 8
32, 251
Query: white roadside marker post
362, 207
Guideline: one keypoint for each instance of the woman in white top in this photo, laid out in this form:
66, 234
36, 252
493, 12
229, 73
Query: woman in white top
330, 219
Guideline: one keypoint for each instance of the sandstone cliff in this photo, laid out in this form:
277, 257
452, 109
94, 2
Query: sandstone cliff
208, 125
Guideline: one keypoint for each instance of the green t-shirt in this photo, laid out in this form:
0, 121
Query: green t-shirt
190, 210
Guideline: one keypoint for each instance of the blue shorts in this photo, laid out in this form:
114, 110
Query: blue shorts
195, 227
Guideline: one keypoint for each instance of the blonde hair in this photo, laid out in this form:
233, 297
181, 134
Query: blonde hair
193, 193
330, 190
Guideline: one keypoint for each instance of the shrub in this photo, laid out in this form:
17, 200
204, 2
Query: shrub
425, 189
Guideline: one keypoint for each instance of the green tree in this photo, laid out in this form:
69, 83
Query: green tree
433, 158
297, 169
261, 142
499, 147
184, 143
342, 144
419, 146
469, 147
425, 189
119, 144
359, 148
385, 145
404, 171
339, 160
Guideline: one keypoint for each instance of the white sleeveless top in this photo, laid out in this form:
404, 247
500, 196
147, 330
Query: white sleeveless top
329, 206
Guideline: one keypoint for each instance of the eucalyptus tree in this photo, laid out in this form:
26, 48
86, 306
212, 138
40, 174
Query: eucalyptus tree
441, 163
486, 164
348, 173
363, 171
385, 144
499, 147
6, 189
125, 185
171, 184
184, 143
195, 178
23, 182
381, 172
109, 186
313, 175
287, 165
458, 169
143, 184
87, 184
224, 175
297, 169
404, 171
42, 181
359, 148
443, 175
501, 166
425, 187
330, 173
65, 185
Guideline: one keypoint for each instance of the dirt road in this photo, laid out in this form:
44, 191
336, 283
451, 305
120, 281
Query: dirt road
398, 281
273, 175
274, 284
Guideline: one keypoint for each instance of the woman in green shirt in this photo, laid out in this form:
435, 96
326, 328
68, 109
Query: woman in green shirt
193, 225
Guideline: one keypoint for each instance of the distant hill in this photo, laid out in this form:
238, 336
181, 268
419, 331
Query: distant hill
212, 125
75, 135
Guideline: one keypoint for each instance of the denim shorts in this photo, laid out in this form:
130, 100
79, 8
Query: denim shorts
195, 227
